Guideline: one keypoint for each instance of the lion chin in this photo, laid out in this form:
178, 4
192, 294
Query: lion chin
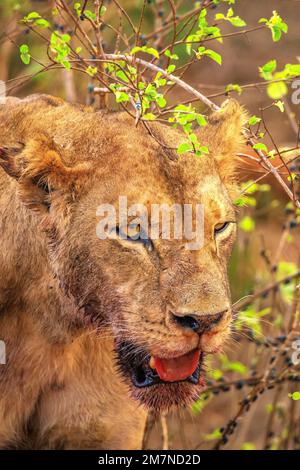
160, 305
146, 385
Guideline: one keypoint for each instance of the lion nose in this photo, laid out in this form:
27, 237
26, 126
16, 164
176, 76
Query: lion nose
199, 323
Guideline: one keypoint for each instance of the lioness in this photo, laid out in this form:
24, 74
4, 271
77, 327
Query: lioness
97, 332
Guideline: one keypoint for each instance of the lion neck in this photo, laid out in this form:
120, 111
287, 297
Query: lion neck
51, 349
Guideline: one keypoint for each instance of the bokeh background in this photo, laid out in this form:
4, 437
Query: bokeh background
268, 246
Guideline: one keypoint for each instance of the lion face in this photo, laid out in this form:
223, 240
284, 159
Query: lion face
161, 299
166, 305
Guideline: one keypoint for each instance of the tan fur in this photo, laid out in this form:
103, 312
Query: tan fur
65, 295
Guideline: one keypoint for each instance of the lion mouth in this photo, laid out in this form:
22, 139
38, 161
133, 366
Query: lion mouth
145, 370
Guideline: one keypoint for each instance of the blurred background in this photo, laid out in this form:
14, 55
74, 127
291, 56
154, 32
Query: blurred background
247, 403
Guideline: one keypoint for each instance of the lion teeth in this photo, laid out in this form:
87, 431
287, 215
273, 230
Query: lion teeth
152, 362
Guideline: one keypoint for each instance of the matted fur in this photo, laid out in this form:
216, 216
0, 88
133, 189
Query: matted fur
66, 296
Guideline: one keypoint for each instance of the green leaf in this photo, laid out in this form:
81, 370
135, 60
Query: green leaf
238, 367
264, 187
189, 40
102, 10
31, 16
280, 105
245, 201
247, 224
276, 33
216, 434
202, 14
193, 138
201, 120
149, 117
234, 20
66, 64
122, 97
267, 69
277, 90
161, 101
77, 8
36, 19
65, 37
276, 25
184, 147
160, 82
171, 68
214, 56
42, 23
122, 76
204, 149
260, 146
148, 50
233, 87
210, 53
270, 66
199, 405
295, 395
24, 54
24, 49
249, 187
291, 70
59, 46
171, 56
254, 120
216, 374
237, 22
90, 15
233, 366
91, 71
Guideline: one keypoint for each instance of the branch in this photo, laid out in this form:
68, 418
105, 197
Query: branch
169, 76
244, 302
247, 134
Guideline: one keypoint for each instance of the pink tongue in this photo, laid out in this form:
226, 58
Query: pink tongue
179, 368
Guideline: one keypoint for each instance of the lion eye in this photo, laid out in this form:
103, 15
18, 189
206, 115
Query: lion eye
221, 227
135, 234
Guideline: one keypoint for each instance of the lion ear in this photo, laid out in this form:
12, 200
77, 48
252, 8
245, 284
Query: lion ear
225, 138
41, 173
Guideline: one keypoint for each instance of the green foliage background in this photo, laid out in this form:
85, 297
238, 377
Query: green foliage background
267, 251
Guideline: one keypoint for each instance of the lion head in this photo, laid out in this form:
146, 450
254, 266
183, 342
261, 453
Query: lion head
165, 305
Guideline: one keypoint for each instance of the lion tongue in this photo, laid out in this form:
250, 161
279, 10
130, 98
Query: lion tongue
178, 368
